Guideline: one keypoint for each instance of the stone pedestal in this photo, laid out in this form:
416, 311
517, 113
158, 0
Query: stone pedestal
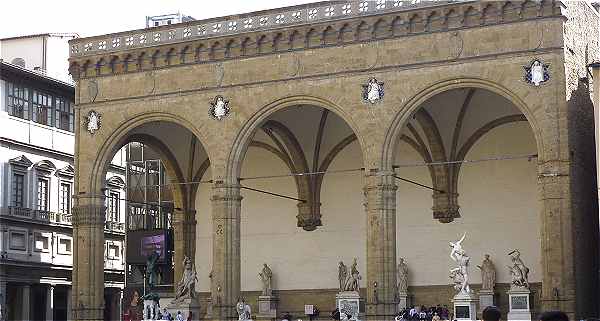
486, 299
267, 307
518, 303
186, 306
349, 302
402, 301
465, 307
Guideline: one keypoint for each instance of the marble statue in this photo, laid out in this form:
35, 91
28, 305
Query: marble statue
402, 276
518, 271
460, 274
93, 120
537, 73
152, 269
266, 276
185, 287
373, 91
352, 281
343, 317
243, 310
219, 108
342, 275
488, 274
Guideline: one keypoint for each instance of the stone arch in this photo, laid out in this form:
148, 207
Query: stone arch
393, 134
245, 134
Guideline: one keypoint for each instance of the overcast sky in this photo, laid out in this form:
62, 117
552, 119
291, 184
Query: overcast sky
90, 18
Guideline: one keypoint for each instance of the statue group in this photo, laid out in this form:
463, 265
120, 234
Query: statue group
348, 282
243, 310
518, 271
187, 284
460, 274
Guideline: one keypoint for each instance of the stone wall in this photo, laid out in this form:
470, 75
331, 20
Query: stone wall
581, 38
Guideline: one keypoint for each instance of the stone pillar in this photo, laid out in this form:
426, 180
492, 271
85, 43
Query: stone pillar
225, 286
88, 258
50, 302
558, 275
184, 228
380, 192
26, 302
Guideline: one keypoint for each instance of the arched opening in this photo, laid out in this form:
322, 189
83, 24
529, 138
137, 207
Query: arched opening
164, 164
305, 152
475, 155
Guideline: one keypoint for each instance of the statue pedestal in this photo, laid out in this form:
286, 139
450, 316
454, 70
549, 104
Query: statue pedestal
348, 302
486, 299
186, 306
465, 307
402, 301
267, 307
518, 300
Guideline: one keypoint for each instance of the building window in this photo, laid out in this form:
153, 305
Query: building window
64, 114
42, 194
114, 251
113, 207
65, 198
17, 101
42, 242
42, 108
18, 181
18, 240
64, 245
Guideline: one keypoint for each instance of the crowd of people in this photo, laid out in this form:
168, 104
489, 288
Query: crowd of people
423, 313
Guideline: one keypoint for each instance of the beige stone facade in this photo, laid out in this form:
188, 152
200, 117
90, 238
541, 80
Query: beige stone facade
418, 52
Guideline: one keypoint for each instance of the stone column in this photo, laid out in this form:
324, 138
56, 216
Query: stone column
558, 279
26, 302
50, 303
184, 228
88, 258
225, 287
380, 193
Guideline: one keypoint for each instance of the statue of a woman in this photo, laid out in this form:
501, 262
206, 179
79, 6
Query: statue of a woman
266, 276
185, 287
488, 274
402, 276
342, 275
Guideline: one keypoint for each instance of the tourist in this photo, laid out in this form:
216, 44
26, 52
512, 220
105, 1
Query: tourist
490, 313
436, 317
166, 315
179, 316
553, 316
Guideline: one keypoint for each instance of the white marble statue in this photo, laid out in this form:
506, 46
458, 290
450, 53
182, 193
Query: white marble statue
460, 274
402, 276
518, 271
352, 281
343, 317
219, 108
93, 121
243, 310
373, 91
266, 276
186, 287
488, 274
342, 275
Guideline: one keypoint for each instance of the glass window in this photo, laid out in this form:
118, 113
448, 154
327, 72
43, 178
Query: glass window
42, 193
42, 108
17, 100
65, 198
64, 114
113, 207
17, 190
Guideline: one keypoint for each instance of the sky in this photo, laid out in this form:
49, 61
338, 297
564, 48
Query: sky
87, 18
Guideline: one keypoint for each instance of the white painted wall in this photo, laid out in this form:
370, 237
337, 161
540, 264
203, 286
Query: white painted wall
496, 198
30, 49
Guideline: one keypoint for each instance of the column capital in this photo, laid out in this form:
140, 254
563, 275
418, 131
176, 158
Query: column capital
88, 215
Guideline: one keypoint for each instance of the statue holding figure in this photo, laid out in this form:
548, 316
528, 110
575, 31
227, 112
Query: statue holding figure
243, 310
266, 276
460, 274
352, 281
152, 268
518, 271
488, 274
342, 275
186, 287
402, 276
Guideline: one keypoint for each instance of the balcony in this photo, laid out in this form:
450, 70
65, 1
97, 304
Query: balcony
37, 216
112, 226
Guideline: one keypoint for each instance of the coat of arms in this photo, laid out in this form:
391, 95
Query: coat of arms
536, 73
373, 91
93, 121
219, 109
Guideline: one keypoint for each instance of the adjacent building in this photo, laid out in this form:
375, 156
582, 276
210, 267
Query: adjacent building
37, 138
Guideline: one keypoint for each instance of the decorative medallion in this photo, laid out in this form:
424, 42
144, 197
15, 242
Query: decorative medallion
219, 109
373, 91
536, 73
93, 121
